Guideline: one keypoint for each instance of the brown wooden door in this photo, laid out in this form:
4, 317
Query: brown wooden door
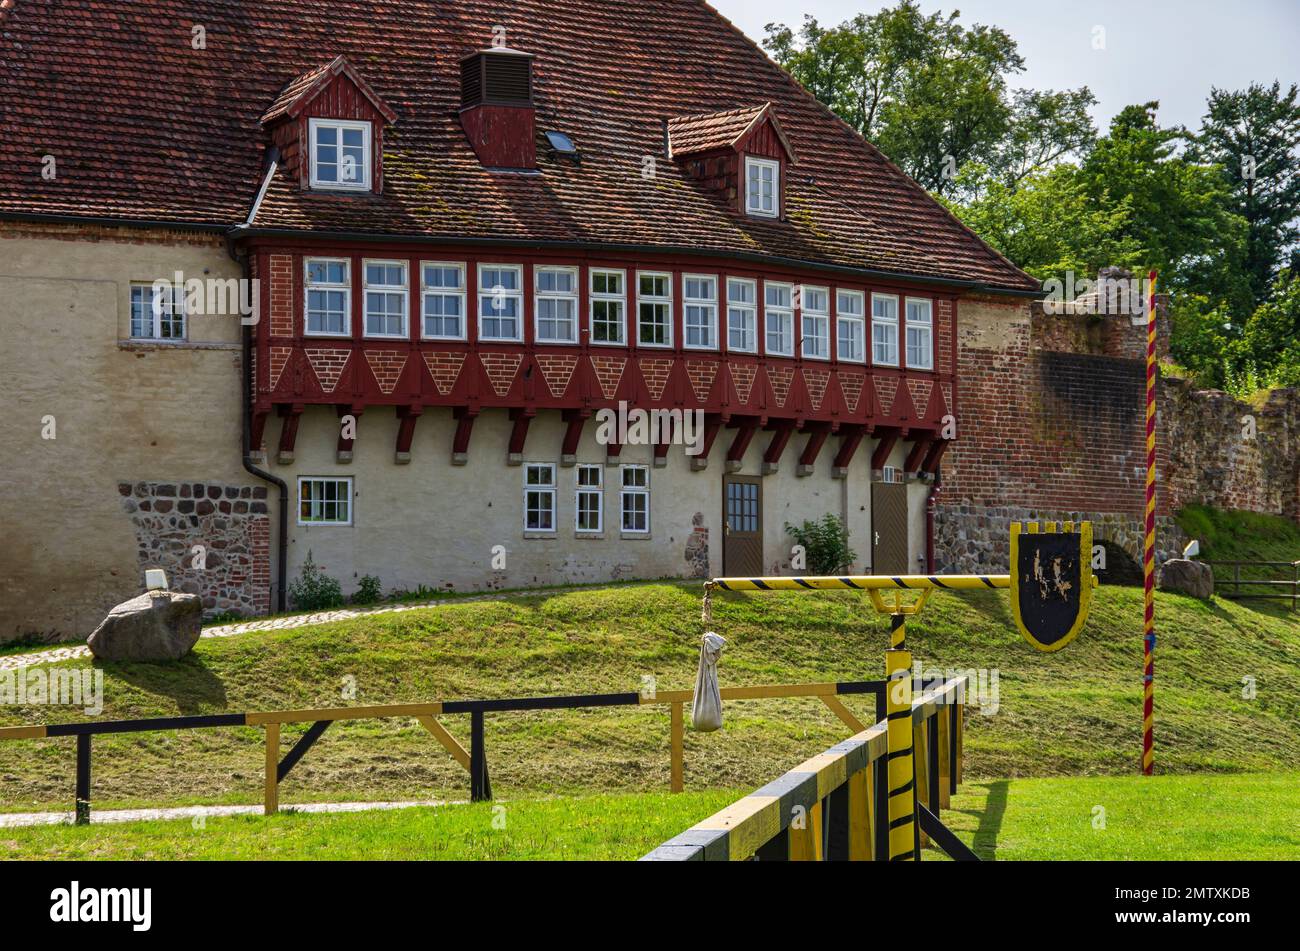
742, 526
889, 528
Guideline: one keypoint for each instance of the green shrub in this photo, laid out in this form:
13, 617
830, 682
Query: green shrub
314, 590
369, 590
826, 544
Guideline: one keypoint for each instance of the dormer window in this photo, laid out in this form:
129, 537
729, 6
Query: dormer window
340, 154
762, 187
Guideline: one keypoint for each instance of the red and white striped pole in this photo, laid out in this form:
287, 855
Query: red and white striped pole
1149, 546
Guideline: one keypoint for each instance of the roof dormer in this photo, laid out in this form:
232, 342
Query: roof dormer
329, 125
741, 153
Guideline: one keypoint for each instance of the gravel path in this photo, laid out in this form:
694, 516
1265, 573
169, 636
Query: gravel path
11, 820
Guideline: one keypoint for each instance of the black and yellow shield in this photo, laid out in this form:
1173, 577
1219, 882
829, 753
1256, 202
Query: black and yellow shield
1051, 581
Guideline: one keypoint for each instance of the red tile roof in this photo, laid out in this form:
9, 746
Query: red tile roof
144, 127
688, 135
302, 90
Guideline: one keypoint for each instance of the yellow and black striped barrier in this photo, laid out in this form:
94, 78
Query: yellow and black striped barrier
837, 805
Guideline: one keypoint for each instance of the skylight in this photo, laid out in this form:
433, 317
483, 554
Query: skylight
561, 143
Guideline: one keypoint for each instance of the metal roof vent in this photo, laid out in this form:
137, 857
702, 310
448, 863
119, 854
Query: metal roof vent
498, 76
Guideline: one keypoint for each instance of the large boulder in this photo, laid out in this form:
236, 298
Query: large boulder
158, 625
1186, 577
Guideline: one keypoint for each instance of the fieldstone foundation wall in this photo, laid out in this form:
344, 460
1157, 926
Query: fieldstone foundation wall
213, 540
977, 540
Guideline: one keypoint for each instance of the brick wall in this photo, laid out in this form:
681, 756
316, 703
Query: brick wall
1052, 427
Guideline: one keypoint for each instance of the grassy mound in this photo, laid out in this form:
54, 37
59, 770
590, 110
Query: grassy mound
1071, 713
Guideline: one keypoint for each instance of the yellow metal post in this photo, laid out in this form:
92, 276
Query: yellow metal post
898, 735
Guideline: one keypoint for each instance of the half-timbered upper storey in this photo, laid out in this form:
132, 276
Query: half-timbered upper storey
553, 204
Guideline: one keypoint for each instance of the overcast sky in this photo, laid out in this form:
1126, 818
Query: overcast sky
1168, 50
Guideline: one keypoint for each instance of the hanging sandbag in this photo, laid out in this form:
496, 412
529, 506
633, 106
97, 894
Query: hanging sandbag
706, 709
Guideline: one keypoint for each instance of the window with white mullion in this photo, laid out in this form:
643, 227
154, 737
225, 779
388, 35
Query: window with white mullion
324, 501
589, 501
539, 497
778, 317
386, 297
158, 311
654, 309
608, 303
328, 286
340, 154
555, 304
742, 315
762, 187
884, 330
920, 334
700, 311
442, 289
500, 302
634, 499
850, 320
814, 309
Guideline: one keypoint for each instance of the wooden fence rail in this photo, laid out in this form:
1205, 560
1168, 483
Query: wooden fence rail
835, 805
1287, 587
426, 714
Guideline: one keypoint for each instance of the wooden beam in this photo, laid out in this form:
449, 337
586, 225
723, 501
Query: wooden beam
522, 418
745, 429
812, 449
712, 426
844, 713
464, 417
271, 793
920, 449
408, 416
934, 457
343, 451
257, 431
860, 815
782, 430
576, 420
678, 716
806, 842
291, 413
850, 439
458, 752
888, 437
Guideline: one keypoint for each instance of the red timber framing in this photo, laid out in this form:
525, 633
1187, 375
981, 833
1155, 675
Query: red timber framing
785, 395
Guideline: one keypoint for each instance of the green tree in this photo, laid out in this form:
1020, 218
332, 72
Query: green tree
933, 95
1253, 135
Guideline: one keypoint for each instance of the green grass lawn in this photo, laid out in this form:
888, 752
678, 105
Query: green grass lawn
1242, 536
1072, 713
579, 827
1244, 816
1123, 818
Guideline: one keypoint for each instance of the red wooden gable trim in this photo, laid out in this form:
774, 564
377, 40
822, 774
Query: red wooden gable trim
303, 91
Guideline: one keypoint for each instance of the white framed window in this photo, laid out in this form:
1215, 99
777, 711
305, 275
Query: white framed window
500, 302
700, 311
539, 497
634, 498
920, 334
328, 285
442, 291
589, 499
762, 187
884, 330
742, 315
157, 311
555, 304
608, 301
324, 501
778, 317
815, 311
890, 474
850, 320
654, 309
387, 299
340, 154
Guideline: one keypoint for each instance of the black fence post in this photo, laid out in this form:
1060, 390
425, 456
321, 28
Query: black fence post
83, 779
932, 757
880, 776
480, 786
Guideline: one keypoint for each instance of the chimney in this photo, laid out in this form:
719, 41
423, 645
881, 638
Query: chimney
496, 107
